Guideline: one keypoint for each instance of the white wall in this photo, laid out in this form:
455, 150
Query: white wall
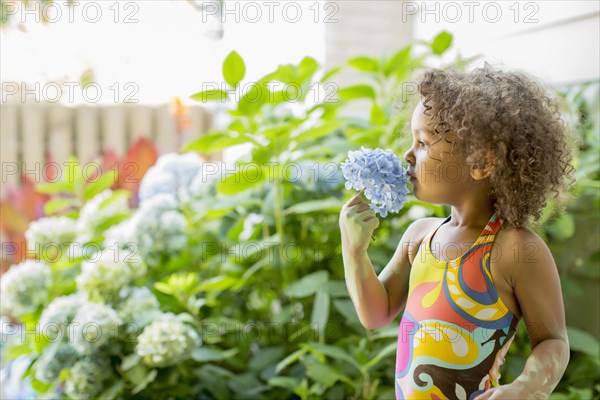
557, 41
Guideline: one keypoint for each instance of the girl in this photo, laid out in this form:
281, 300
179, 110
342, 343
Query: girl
492, 145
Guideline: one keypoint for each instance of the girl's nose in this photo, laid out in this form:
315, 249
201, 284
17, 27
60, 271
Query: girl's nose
408, 156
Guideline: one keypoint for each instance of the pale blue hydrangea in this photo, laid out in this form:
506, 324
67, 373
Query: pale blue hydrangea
167, 341
57, 316
316, 176
94, 325
24, 287
172, 174
53, 360
87, 376
161, 227
100, 210
138, 306
157, 228
382, 176
104, 275
55, 231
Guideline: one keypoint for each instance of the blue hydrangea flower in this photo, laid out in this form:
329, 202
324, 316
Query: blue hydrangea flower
382, 176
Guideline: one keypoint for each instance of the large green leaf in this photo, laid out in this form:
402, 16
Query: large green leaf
210, 95
205, 354
305, 207
307, 285
326, 375
234, 69
245, 177
399, 60
335, 352
320, 311
580, 340
357, 92
255, 96
216, 141
363, 63
441, 42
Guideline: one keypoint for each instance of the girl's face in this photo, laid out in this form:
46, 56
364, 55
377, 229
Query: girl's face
438, 171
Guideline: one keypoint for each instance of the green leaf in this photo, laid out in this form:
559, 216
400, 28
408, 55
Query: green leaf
56, 187
386, 351
234, 69
216, 141
365, 64
336, 288
378, 116
562, 227
292, 358
245, 177
346, 308
320, 311
397, 61
326, 375
130, 361
305, 207
254, 98
104, 182
308, 66
163, 287
441, 42
204, 354
210, 95
265, 357
149, 378
286, 382
53, 206
336, 353
313, 134
112, 391
307, 285
217, 283
356, 92
582, 341
333, 71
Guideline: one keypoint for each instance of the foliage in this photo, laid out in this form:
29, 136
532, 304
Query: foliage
252, 282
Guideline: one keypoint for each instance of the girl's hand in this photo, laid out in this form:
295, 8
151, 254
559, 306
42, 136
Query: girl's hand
357, 223
515, 390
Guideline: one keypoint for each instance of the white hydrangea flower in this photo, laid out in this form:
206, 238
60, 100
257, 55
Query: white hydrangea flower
93, 326
59, 314
50, 230
138, 306
166, 341
172, 174
87, 377
103, 277
24, 287
92, 215
54, 359
156, 228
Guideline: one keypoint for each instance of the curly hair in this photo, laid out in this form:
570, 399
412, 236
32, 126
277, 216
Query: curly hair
511, 123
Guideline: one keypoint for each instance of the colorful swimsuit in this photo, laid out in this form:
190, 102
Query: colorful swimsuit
455, 329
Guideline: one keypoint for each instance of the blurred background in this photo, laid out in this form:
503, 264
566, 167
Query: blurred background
110, 85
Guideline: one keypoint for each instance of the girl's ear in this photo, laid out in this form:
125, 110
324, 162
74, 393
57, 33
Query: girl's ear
480, 170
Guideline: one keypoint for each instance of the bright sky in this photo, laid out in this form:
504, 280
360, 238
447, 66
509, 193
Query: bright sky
155, 50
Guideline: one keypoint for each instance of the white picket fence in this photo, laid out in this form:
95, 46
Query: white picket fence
33, 134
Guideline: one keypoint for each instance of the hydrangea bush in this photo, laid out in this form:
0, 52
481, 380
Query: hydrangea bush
219, 286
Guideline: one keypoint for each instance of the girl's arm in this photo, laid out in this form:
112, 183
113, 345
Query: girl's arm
537, 288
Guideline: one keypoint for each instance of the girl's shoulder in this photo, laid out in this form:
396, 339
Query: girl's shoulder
516, 248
